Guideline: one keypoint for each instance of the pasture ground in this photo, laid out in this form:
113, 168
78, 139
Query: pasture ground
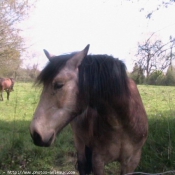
17, 152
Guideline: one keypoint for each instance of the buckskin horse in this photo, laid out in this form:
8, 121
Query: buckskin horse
7, 85
94, 94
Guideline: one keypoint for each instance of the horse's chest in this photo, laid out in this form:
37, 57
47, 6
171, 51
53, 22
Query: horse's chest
95, 131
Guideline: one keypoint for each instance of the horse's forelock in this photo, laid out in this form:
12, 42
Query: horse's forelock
52, 68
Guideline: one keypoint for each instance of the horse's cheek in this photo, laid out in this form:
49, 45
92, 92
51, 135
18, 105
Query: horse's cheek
67, 97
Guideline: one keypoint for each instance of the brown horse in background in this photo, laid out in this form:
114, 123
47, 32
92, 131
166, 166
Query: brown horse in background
104, 107
6, 84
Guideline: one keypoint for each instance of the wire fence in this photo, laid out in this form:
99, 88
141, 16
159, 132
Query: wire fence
142, 173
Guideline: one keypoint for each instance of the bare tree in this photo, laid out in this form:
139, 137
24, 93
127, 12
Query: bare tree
155, 55
160, 5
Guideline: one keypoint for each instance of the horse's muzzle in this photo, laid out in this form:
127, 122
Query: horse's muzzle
37, 139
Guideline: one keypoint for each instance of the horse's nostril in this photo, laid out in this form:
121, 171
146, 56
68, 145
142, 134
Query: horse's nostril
37, 139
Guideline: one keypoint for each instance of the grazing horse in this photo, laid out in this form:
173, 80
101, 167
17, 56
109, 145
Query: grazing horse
7, 85
104, 107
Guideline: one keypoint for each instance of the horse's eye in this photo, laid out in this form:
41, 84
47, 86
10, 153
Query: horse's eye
57, 86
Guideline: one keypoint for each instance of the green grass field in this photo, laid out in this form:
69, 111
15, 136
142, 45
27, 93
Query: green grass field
18, 153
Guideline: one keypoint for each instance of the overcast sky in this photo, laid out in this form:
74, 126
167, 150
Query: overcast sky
111, 27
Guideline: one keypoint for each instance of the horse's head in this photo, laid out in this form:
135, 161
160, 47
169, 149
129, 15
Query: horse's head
58, 100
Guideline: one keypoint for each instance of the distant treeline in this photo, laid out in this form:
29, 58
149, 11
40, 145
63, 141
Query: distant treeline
22, 74
157, 77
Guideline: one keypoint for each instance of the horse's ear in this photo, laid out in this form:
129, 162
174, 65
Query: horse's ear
48, 55
76, 60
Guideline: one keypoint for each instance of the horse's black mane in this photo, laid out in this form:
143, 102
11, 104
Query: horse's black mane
100, 76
